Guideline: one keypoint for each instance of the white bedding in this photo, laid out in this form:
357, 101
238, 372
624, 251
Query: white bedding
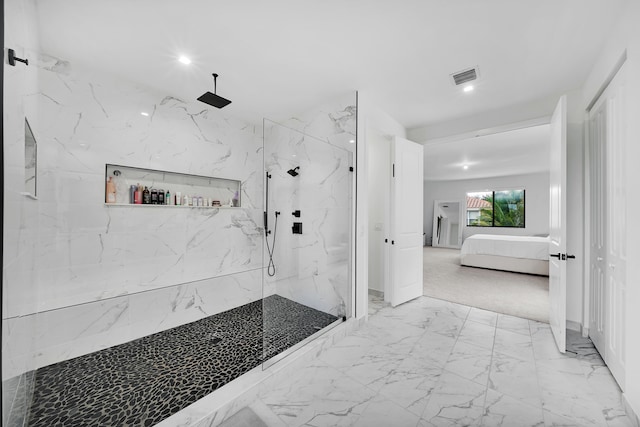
527, 247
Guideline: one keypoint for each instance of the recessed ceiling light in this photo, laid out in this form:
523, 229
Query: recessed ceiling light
184, 60
293, 155
352, 141
465, 167
145, 114
468, 88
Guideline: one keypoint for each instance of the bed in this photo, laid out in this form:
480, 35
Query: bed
521, 254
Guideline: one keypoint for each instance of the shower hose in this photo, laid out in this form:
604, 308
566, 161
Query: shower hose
271, 267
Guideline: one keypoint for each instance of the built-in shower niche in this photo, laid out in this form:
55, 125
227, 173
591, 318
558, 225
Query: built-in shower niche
167, 188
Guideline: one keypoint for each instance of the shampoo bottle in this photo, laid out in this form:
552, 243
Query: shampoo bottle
167, 198
132, 194
111, 191
137, 199
146, 196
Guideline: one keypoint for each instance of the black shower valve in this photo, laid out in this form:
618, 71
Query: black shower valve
297, 228
296, 213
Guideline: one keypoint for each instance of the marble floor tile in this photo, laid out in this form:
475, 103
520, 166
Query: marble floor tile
478, 334
318, 395
347, 351
373, 368
383, 412
446, 324
429, 363
470, 362
483, 316
455, 402
434, 347
410, 385
569, 396
513, 324
504, 411
516, 378
514, 344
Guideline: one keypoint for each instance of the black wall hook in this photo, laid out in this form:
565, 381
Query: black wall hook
13, 58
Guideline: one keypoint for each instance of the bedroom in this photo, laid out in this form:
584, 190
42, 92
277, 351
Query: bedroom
462, 177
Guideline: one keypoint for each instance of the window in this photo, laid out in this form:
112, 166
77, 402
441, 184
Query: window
496, 209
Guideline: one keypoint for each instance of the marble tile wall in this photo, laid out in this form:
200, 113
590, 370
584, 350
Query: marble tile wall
84, 275
20, 230
313, 268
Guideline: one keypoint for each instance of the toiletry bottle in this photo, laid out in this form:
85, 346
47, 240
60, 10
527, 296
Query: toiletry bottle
111, 191
200, 201
185, 200
154, 196
146, 196
167, 198
178, 198
138, 195
161, 197
235, 199
132, 194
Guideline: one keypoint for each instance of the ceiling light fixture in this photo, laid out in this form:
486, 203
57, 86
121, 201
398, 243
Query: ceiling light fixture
468, 88
352, 141
184, 60
465, 167
144, 114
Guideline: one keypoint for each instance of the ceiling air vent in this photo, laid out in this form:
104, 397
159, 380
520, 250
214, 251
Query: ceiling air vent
465, 76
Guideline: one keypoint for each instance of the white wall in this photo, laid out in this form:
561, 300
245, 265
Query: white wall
626, 35
373, 124
379, 175
536, 203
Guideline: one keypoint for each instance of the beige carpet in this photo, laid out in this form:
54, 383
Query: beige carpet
521, 295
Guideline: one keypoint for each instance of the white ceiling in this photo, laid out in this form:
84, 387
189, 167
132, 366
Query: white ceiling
515, 152
282, 56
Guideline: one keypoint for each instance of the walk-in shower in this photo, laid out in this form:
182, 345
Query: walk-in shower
122, 313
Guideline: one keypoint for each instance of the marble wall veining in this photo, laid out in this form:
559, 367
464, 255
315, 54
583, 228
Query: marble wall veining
101, 275
80, 275
313, 268
20, 229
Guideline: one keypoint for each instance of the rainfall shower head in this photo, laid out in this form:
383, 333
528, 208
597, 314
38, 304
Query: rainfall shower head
213, 99
293, 172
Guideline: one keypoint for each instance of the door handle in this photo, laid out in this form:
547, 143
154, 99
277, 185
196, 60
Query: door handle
571, 257
386, 240
393, 242
555, 255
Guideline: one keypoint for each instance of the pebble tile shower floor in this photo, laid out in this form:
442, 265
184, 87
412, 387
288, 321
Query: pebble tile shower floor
146, 380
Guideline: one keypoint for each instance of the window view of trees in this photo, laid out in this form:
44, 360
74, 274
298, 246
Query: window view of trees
496, 209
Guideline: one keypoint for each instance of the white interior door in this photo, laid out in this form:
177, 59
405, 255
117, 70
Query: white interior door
406, 221
597, 255
608, 239
616, 228
558, 225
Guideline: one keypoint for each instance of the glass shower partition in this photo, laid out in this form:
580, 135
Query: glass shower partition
307, 278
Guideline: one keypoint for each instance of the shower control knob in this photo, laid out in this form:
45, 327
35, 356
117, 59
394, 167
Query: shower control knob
297, 228
296, 213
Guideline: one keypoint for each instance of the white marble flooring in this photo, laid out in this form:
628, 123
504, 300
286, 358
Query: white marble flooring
435, 363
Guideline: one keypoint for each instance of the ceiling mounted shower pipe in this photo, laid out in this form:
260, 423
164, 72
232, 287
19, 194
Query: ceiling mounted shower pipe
212, 98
